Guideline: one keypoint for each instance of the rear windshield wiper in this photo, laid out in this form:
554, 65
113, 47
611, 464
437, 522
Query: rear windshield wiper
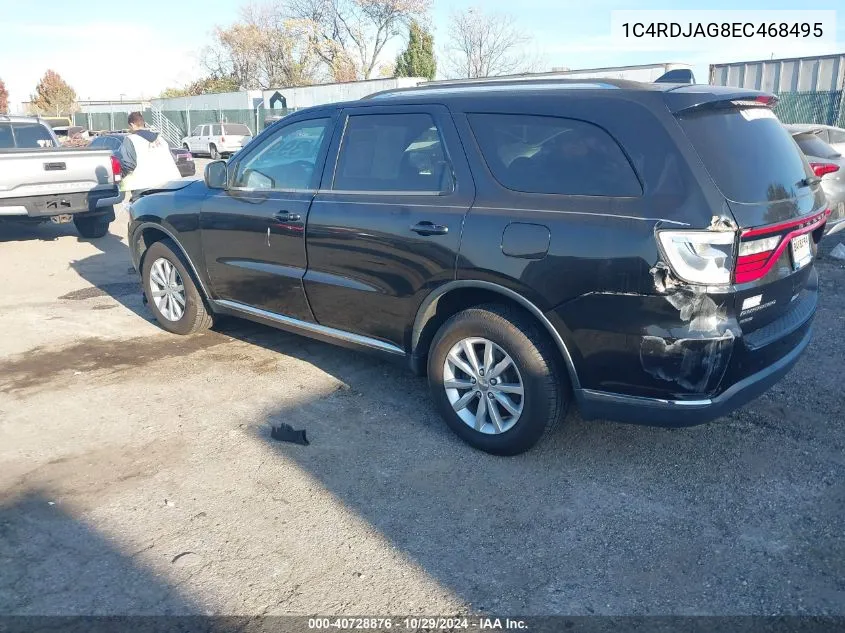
809, 181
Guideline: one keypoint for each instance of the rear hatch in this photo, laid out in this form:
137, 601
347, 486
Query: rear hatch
773, 195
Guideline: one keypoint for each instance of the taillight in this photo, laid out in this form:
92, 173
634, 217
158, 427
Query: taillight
759, 249
222, 139
820, 169
115, 168
701, 257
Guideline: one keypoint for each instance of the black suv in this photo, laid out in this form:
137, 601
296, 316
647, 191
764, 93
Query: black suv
645, 250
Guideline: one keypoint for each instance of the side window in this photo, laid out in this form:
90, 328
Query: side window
197, 131
7, 141
837, 136
393, 152
216, 130
286, 160
540, 154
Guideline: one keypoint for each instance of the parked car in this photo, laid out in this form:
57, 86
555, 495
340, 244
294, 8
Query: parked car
833, 136
828, 164
41, 181
218, 139
645, 251
183, 158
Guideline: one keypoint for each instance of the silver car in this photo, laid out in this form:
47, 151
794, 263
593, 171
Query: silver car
833, 136
829, 165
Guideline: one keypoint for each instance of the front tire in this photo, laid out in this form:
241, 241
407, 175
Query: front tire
92, 227
496, 379
212, 150
171, 292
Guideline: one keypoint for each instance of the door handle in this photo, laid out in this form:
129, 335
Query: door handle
284, 216
429, 228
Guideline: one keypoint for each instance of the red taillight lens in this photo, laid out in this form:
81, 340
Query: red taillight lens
760, 248
222, 139
115, 168
820, 169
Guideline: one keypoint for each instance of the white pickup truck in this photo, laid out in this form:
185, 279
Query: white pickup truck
40, 181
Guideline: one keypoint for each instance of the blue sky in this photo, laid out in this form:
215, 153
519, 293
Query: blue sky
103, 51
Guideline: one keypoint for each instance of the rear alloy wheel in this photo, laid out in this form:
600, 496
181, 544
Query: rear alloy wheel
212, 150
92, 227
170, 290
496, 378
483, 385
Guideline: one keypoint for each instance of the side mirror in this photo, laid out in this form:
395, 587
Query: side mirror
216, 175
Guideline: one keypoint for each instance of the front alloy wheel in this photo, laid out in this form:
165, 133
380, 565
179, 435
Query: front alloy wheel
167, 289
483, 385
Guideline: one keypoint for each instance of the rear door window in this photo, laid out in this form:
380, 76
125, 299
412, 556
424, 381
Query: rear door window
554, 155
393, 152
747, 152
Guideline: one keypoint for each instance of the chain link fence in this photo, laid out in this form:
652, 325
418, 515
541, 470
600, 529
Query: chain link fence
825, 108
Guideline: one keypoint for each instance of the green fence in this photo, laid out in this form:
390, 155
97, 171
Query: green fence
185, 120
825, 108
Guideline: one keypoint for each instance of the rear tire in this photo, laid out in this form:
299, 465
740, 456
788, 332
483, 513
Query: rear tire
171, 292
212, 150
532, 383
92, 227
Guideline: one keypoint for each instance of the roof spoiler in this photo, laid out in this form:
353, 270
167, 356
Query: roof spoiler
676, 76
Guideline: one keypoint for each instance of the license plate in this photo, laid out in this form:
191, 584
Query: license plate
801, 252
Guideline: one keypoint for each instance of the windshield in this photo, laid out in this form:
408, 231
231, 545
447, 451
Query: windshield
747, 152
812, 145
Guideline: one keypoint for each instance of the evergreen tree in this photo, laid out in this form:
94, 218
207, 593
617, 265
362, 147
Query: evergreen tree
417, 60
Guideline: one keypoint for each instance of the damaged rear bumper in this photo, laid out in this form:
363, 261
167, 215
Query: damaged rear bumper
655, 411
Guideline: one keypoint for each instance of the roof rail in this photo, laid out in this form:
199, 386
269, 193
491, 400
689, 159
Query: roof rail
510, 80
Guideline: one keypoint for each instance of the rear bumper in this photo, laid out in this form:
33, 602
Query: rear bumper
46, 206
678, 413
710, 376
187, 168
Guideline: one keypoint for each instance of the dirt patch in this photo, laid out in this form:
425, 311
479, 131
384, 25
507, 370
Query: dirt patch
42, 366
120, 289
92, 474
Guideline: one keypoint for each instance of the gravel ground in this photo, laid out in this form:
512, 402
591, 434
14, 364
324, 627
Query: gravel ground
137, 476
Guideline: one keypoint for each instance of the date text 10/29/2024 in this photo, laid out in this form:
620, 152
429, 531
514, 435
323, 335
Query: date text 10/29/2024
416, 624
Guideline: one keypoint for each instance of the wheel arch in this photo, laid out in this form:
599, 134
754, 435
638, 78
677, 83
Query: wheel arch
461, 294
147, 234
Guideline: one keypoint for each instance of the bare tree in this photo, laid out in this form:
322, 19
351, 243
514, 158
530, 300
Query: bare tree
356, 31
265, 48
486, 45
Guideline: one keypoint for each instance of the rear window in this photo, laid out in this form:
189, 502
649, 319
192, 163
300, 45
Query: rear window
236, 129
748, 153
540, 154
32, 135
812, 145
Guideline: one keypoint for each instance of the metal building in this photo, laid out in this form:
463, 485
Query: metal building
824, 73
